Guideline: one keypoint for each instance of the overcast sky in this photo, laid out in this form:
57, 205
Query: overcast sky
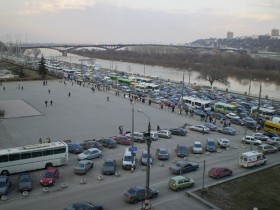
134, 21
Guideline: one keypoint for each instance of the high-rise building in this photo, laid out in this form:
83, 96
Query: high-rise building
275, 32
229, 35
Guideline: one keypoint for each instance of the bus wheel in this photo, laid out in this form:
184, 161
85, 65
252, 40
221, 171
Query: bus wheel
5, 172
48, 165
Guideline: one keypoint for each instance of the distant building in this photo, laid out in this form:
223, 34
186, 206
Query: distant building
275, 32
229, 35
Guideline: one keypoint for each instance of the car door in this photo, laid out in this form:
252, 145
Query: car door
141, 194
186, 167
92, 154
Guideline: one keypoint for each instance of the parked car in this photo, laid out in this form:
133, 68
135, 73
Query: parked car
24, 182
4, 185
211, 126
49, 177
218, 172
223, 142
178, 131
251, 140
83, 166
232, 115
260, 136
91, 144
270, 134
219, 116
236, 121
144, 158
123, 140
107, 142
197, 148
154, 135
200, 128
199, 112
181, 167
164, 134
83, 206
227, 130
137, 194
162, 153
90, 154
273, 140
277, 145
75, 148
266, 148
180, 182
137, 137
181, 150
210, 145
109, 167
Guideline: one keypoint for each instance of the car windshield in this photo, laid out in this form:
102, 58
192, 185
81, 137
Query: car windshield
163, 152
197, 145
24, 179
128, 158
132, 191
109, 164
81, 165
86, 152
178, 165
211, 143
48, 174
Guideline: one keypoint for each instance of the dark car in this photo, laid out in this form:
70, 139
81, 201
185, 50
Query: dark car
83, 206
227, 130
211, 126
210, 145
270, 134
109, 142
183, 166
91, 144
49, 177
219, 116
123, 140
75, 148
237, 121
218, 172
137, 193
199, 112
181, 150
109, 167
24, 182
178, 131
162, 153
4, 185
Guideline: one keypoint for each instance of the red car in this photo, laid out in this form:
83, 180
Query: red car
49, 177
123, 140
218, 172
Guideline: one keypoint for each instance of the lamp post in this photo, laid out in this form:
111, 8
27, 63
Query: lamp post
147, 200
132, 138
259, 101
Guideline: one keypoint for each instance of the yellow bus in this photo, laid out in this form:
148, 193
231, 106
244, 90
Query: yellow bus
272, 126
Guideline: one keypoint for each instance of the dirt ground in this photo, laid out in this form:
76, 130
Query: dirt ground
260, 190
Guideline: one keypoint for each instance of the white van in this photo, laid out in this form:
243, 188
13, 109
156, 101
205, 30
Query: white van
128, 159
252, 159
154, 135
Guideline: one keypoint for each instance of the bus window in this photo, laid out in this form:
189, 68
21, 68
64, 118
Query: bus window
60, 150
48, 152
25, 155
4, 158
13, 157
36, 154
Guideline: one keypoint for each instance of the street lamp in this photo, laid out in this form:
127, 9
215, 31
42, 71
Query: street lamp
259, 103
147, 200
132, 137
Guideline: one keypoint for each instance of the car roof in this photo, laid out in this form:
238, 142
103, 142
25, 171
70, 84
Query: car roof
177, 178
162, 149
92, 149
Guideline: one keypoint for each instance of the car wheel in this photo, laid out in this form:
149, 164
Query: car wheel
177, 189
100, 155
136, 200
154, 195
6, 173
218, 177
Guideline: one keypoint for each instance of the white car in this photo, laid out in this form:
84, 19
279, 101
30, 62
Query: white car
90, 154
260, 136
223, 142
251, 139
164, 134
200, 128
197, 148
232, 115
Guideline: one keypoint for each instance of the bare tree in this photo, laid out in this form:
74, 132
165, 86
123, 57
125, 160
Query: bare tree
213, 75
36, 52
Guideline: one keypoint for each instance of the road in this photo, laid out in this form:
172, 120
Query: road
87, 115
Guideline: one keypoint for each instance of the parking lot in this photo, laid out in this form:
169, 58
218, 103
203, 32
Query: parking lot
86, 115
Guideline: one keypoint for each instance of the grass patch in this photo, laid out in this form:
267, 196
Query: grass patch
260, 189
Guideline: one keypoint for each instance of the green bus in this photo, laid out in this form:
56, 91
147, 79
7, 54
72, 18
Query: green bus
224, 108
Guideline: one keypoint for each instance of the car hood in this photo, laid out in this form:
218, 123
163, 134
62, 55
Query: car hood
24, 185
108, 168
82, 156
46, 180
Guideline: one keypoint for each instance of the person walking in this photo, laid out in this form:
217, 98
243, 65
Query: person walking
107, 98
51, 102
49, 91
46, 102
69, 94
121, 129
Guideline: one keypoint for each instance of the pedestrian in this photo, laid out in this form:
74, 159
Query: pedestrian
108, 98
51, 102
21, 87
203, 132
49, 91
121, 129
40, 141
69, 94
4, 88
46, 102
158, 128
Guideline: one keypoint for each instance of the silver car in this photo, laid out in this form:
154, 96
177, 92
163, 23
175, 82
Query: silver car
144, 158
164, 134
90, 154
200, 128
83, 167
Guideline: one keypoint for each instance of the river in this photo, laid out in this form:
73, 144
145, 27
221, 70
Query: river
271, 90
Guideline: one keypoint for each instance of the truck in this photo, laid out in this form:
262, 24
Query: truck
252, 159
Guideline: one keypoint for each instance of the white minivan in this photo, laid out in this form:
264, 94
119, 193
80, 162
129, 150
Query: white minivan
128, 160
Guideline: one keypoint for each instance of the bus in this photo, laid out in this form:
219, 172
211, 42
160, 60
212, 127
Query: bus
225, 108
33, 157
266, 113
197, 103
272, 126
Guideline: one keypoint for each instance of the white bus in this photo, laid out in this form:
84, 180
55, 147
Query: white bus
196, 103
266, 113
33, 157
